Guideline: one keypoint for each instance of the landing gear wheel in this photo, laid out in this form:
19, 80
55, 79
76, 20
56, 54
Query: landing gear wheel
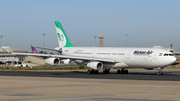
88, 71
126, 72
106, 72
96, 72
92, 71
160, 71
118, 71
122, 71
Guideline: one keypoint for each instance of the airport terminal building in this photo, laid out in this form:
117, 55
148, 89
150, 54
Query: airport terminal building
6, 57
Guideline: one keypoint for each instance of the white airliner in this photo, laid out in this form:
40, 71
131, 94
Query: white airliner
104, 58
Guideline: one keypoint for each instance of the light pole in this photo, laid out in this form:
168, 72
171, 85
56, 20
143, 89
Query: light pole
43, 38
1, 36
95, 40
126, 39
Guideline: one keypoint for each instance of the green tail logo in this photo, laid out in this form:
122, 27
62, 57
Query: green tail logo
61, 35
171, 46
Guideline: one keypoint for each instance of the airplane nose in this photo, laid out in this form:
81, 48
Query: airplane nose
173, 60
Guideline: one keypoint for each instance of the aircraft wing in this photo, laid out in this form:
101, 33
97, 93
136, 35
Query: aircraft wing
68, 57
49, 49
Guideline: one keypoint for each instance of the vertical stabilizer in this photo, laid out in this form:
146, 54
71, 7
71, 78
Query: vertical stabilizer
34, 49
171, 46
61, 35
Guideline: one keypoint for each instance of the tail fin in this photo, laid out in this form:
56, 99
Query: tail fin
34, 49
61, 35
171, 46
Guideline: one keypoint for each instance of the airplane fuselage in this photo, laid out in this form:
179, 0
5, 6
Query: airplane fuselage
125, 57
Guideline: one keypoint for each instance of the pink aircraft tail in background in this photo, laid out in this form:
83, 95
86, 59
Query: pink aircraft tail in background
34, 49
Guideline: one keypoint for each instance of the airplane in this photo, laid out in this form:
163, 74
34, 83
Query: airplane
34, 49
47, 61
98, 58
171, 46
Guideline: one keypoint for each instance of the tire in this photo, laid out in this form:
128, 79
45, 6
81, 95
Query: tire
126, 72
89, 72
122, 71
118, 71
92, 71
104, 72
107, 71
96, 72
160, 73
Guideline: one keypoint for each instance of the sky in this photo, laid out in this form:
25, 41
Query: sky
148, 23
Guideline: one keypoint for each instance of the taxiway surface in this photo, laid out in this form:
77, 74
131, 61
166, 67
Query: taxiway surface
139, 85
134, 74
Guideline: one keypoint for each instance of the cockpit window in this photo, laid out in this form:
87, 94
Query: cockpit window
166, 54
171, 54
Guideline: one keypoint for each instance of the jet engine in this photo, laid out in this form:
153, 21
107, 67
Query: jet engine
66, 61
95, 65
52, 61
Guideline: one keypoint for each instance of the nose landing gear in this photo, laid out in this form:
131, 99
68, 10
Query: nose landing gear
160, 71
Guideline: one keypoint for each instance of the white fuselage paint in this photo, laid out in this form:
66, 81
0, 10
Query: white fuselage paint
124, 57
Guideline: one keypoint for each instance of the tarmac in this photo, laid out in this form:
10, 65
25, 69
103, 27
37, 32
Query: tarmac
138, 85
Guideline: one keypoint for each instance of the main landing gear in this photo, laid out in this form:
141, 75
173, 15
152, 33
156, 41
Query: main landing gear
160, 71
122, 71
92, 71
106, 71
